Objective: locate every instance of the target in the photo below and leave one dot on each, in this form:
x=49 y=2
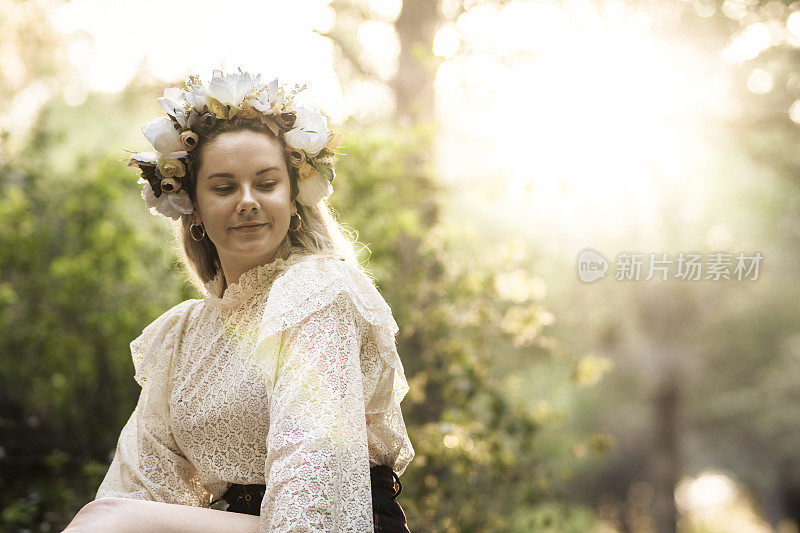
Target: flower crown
x=194 y=112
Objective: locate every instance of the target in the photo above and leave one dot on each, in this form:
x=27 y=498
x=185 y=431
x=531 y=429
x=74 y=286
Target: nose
x=247 y=202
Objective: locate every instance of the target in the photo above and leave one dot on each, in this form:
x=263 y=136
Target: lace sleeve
x=148 y=464
x=317 y=466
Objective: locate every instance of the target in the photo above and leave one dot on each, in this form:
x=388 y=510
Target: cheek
x=279 y=211
x=210 y=207
x=281 y=202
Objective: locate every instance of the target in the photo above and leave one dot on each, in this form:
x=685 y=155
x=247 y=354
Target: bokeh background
x=487 y=143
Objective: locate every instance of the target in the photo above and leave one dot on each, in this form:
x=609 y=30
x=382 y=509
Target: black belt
x=247 y=498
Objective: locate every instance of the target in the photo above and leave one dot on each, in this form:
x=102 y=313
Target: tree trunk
x=789 y=488
x=413 y=85
x=666 y=454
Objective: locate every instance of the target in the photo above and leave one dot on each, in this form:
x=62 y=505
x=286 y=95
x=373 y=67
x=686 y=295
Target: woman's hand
x=123 y=515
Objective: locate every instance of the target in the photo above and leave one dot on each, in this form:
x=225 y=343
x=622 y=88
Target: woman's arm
x=148 y=463
x=124 y=515
x=317 y=464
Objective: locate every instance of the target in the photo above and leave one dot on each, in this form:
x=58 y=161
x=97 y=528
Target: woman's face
x=243 y=180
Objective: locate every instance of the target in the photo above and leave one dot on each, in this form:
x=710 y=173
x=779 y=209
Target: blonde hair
x=319 y=233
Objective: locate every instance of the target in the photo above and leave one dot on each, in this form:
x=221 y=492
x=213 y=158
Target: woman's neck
x=281 y=253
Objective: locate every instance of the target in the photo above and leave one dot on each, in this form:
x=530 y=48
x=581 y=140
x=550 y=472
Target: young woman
x=276 y=396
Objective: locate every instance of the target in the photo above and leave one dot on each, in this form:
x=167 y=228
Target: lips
x=249 y=227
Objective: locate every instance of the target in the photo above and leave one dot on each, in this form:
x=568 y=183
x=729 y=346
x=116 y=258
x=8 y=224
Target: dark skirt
x=388 y=516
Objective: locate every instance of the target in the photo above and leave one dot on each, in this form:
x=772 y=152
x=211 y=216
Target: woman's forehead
x=244 y=140
x=242 y=149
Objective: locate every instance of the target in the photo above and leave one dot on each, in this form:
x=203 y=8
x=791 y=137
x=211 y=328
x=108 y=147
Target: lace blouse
x=290 y=379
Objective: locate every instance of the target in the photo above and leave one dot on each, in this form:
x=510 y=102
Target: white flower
x=232 y=89
x=267 y=100
x=145 y=157
x=164 y=137
x=198 y=97
x=171 y=205
x=174 y=104
x=310 y=132
x=313 y=189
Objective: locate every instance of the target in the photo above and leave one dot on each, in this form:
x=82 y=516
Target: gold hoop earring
x=299 y=222
x=192 y=232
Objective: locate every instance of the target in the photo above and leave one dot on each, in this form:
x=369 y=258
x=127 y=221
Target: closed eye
x=267 y=186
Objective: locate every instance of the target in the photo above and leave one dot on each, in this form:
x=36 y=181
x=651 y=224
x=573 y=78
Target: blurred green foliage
x=81 y=272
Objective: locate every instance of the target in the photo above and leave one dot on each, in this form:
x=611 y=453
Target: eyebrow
x=229 y=175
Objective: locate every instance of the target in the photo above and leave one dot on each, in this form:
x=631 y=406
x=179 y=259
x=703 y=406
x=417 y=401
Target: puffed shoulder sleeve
x=147 y=463
x=336 y=372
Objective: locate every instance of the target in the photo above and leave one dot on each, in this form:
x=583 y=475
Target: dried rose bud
x=171 y=168
x=170 y=185
x=296 y=157
x=189 y=139
x=285 y=120
x=207 y=121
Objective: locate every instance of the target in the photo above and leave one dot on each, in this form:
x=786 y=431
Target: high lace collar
x=250 y=282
